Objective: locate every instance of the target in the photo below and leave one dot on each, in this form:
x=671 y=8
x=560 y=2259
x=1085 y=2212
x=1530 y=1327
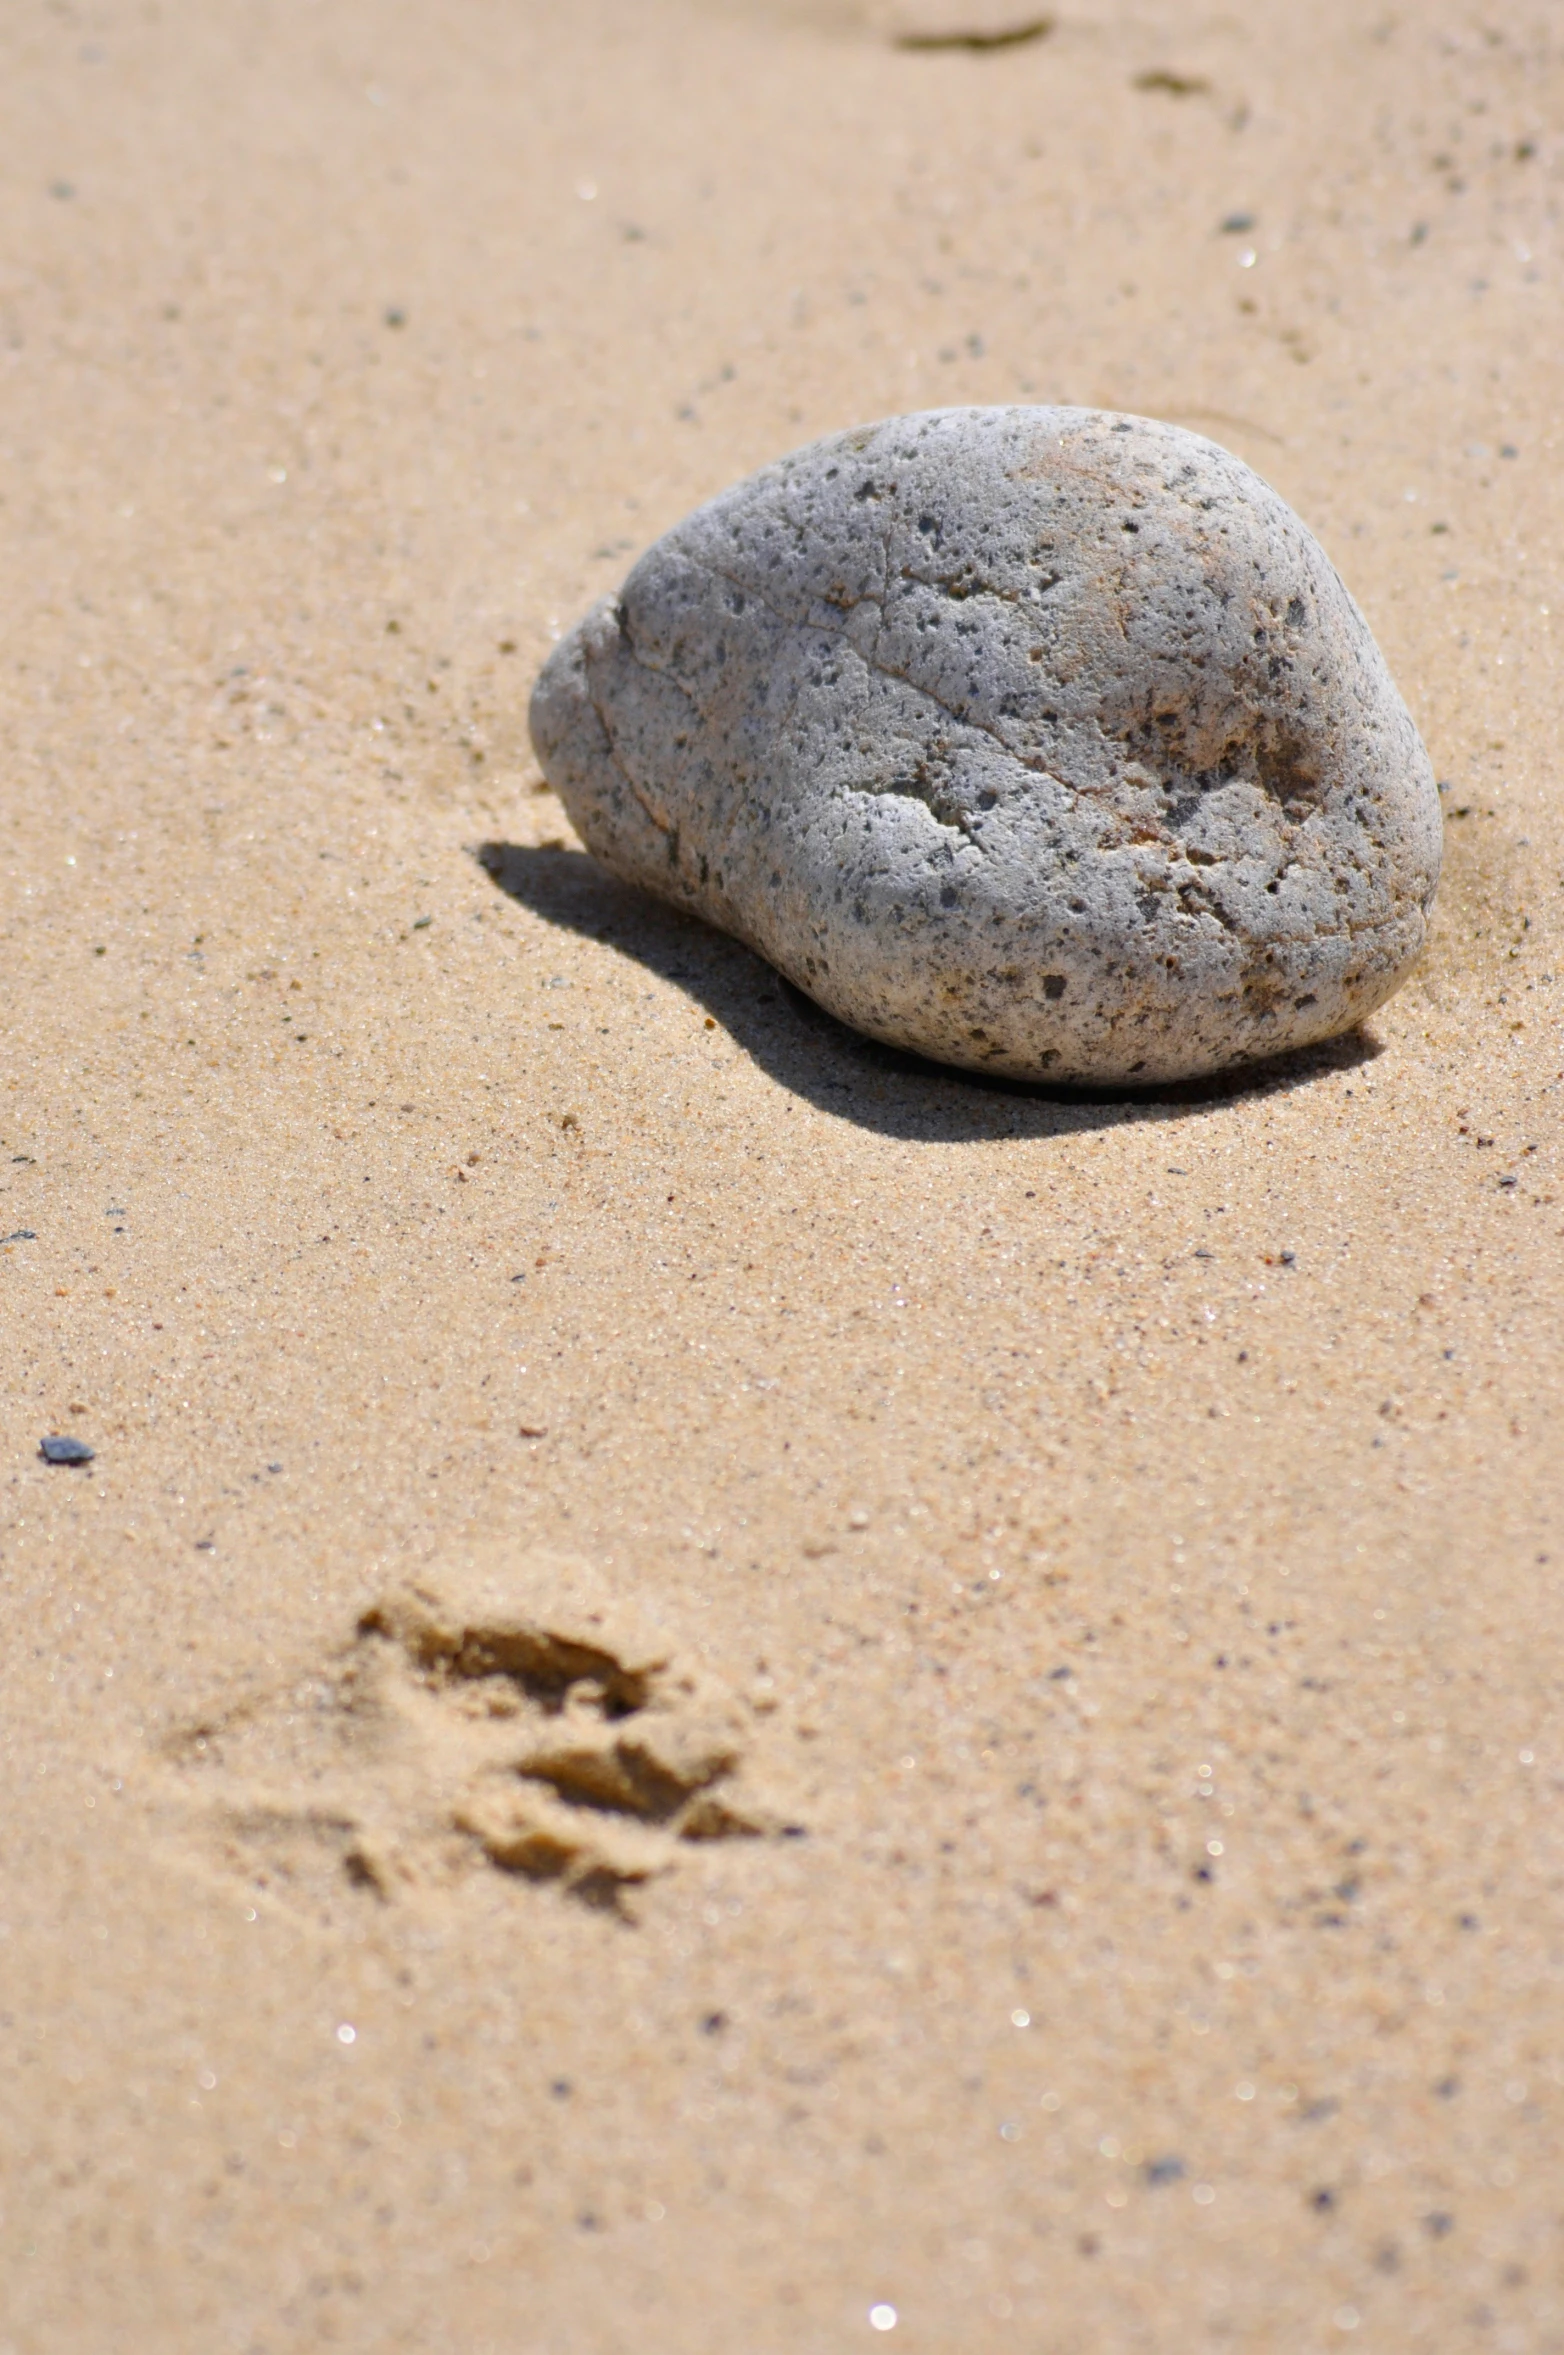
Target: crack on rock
x=654 y=816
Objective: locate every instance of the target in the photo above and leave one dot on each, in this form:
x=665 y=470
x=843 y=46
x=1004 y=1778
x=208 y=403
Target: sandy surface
x=1122 y=1537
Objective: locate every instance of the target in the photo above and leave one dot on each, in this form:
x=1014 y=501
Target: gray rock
x=1042 y=741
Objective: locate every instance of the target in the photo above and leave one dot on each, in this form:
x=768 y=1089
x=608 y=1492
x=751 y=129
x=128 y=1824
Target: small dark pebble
x=1236 y=223
x=561 y=2089
x=1508 y=1184
x=274 y=1467
x=714 y=2023
x=65 y=1451
x=1167 y=2170
x=1438 y=2224
x=396 y=318
x=1322 y=2200
x=22 y=1235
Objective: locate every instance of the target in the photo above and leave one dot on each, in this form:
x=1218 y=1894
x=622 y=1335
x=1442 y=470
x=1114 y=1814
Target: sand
x=1124 y=1533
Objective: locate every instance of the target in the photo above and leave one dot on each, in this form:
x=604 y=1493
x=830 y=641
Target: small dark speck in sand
x=1035 y=28
x=56 y=1450
x=1176 y=85
x=22 y=1235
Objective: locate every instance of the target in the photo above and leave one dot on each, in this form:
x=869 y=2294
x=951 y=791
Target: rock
x=55 y=1450
x=1042 y=741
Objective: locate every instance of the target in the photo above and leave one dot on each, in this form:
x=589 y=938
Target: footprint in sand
x=519 y=1718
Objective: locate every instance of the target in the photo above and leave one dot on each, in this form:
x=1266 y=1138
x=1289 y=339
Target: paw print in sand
x=519 y=1717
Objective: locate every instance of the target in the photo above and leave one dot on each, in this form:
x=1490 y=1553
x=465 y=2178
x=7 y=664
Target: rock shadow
x=809 y=1052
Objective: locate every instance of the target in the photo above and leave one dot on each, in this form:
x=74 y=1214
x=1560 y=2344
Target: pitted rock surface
x=1042 y=741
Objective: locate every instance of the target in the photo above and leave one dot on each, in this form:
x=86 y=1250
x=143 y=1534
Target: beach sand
x=1118 y=1541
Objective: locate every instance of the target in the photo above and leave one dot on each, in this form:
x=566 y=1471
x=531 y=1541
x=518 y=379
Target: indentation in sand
x=517 y=1717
